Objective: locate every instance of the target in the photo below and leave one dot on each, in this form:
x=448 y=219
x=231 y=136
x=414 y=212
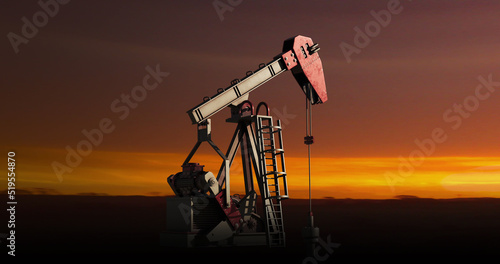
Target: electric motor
x=193 y=180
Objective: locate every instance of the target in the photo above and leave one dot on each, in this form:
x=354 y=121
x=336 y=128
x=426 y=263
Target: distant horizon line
x=23 y=192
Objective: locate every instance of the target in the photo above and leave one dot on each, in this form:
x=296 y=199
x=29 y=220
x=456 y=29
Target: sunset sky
x=414 y=112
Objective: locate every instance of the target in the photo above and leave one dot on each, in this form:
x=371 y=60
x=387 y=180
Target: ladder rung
x=274 y=208
x=277 y=173
x=278 y=150
x=270 y=127
x=271 y=132
x=278 y=197
x=281 y=197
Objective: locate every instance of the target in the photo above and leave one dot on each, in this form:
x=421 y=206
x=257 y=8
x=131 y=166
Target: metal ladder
x=273 y=177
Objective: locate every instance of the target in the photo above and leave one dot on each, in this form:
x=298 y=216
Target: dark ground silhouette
x=122 y=226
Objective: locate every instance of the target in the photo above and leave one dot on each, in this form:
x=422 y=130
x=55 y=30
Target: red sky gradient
x=400 y=88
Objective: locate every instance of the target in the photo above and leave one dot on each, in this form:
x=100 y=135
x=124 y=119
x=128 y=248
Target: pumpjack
x=203 y=211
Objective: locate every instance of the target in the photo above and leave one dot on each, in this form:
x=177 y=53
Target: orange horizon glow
x=124 y=173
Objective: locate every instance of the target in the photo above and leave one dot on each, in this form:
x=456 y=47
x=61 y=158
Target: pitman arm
x=299 y=55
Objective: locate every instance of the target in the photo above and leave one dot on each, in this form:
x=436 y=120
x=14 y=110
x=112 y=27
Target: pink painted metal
x=310 y=68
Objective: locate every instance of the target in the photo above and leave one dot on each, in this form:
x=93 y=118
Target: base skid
x=201 y=222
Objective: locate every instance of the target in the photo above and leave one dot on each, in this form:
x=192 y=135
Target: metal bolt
x=286 y=58
x=288 y=64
